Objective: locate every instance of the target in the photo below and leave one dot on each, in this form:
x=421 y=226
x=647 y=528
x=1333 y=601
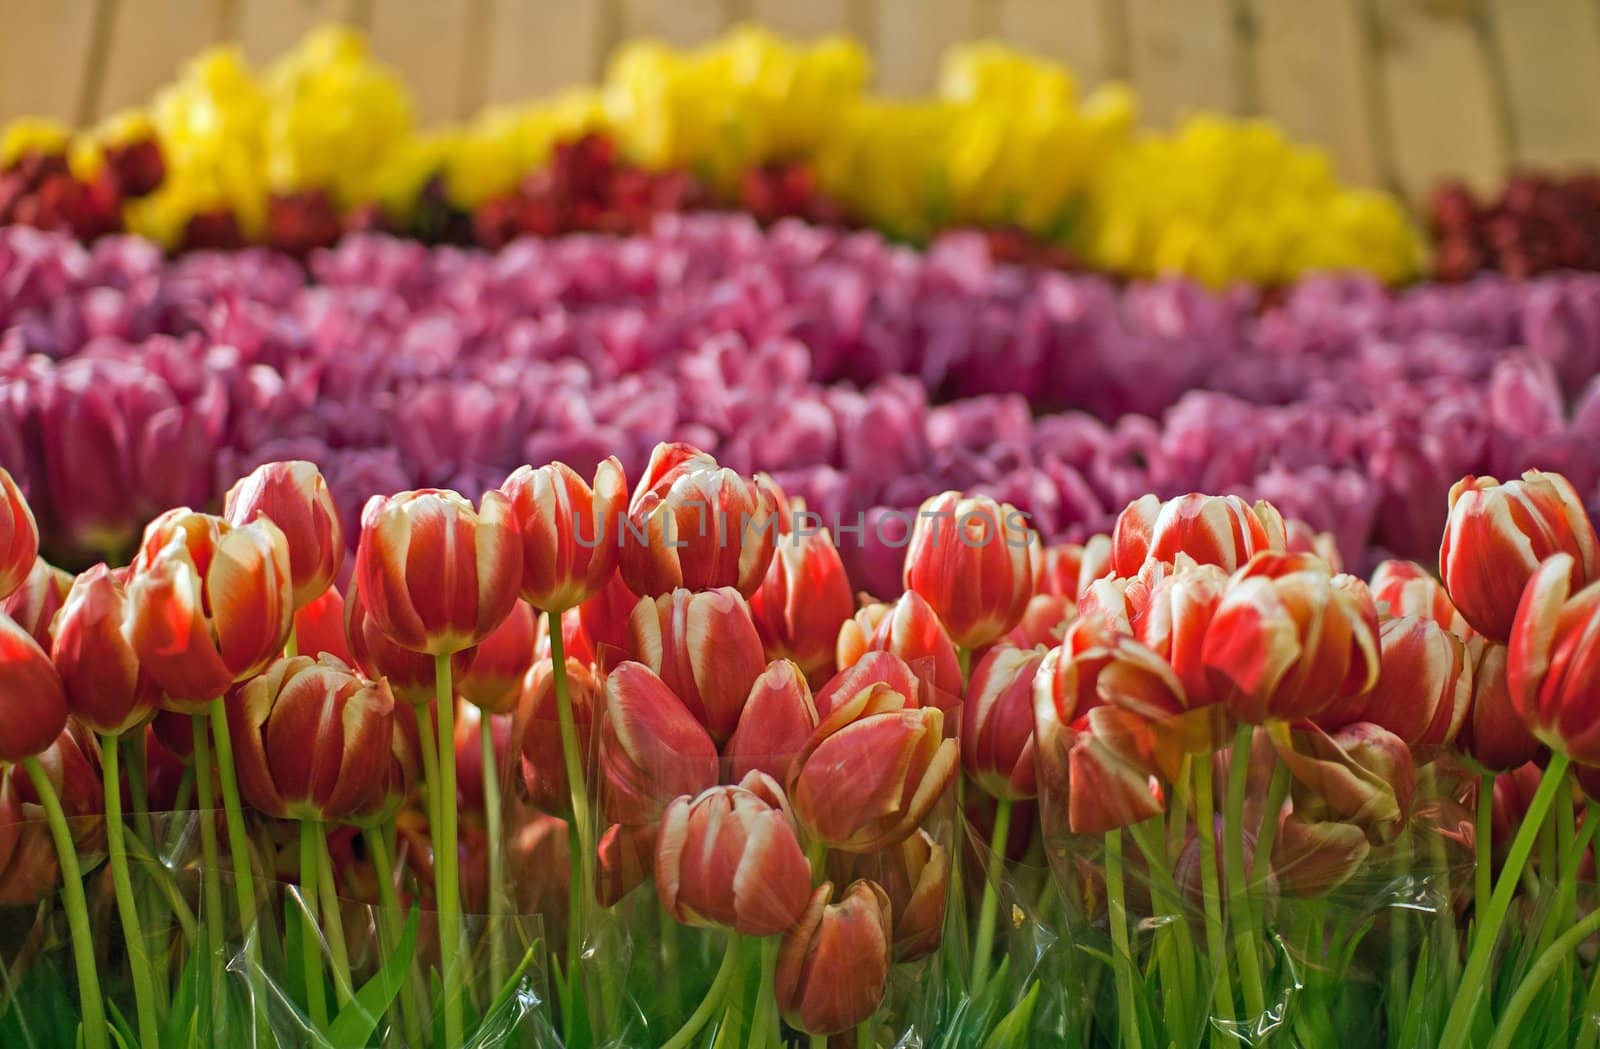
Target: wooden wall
x=1401 y=91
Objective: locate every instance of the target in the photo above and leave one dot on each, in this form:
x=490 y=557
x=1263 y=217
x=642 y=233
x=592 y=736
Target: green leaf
x=41 y=1014
x=1012 y=1031
x=353 y=1027
x=119 y=1026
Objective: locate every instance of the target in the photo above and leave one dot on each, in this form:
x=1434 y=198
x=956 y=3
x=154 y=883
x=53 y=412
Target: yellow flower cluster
x=1006 y=140
x=1225 y=200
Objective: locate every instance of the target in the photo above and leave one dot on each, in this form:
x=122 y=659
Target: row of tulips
x=325 y=140
x=129 y=384
x=1221 y=783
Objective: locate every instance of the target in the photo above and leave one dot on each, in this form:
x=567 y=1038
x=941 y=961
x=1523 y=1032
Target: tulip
x=706 y=649
x=1362 y=775
x=1290 y=638
x=1312 y=858
x=319 y=627
x=30 y=867
x=1498 y=535
x=872 y=770
x=652 y=748
x=696 y=525
x=544 y=773
x=1424 y=686
x=33 y=707
x=803 y=601
x=910 y=630
x=1553 y=661
x=626 y=855
x=1174 y=620
x=874 y=668
x=314 y=740
x=975 y=562
x=1221 y=530
x=606 y=621
x=570 y=540
x=1301 y=538
x=777 y=720
x=19 y=535
x=1405 y=588
x=729 y=857
x=471 y=795
x=833 y=965
x=436 y=576
x=105 y=685
x=493 y=678
x=915 y=875
x=208 y=604
x=34 y=604
x=409 y=674
x=1493 y=734
x=997 y=723
x=1067 y=569
x=293 y=496
x=400 y=777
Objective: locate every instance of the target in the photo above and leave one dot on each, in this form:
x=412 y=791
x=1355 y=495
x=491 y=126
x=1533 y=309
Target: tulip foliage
x=632 y=766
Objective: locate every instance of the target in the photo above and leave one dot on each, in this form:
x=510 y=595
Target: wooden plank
x=268 y=28
x=1551 y=52
x=44 y=57
x=536 y=48
x=149 y=42
x=1186 y=55
x=681 y=22
x=1089 y=36
x=429 y=45
x=1313 y=80
x=910 y=35
x=812 y=19
x=1444 y=115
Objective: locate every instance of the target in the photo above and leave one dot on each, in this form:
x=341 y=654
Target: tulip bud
x=1312 y=858
x=1497 y=536
x=34 y=604
x=293 y=496
x=975 y=562
x=437 y=576
x=1067 y=569
x=312 y=739
x=802 y=602
x=409 y=674
x=1221 y=530
x=1289 y=638
x=19 y=535
x=652 y=749
x=399 y=778
x=493 y=679
x=208 y=604
x=1423 y=690
x=1493 y=734
x=833 y=965
x=915 y=875
x=910 y=630
x=544 y=769
x=1552 y=672
x=570 y=540
x=105 y=686
x=33 y=708
x=872 y=770
x=319 y=627
x=777 y=720
x=1362 y=775
x=874 y=668
x=729 y=857
x=626 y=858
x=606 y=621
x=997 y=723
x=706 y=649
x=1301 y=538
x=1409 y=590
x=469 y=754
x=1174 y=620
x=1043 y=624
x=702 y=526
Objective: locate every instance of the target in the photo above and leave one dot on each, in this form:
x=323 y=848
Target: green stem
x=1211 y=893
x=445 y=860
x=1591 y=1001
x=1570 y=847
x=1121 y=952
x=818 y=1041
x=1241 y=909
x=1560 y=952
x=389 y=912
x=578 y=790
x=983 y=947
x=211 y=876
x=186 y=793
x=670 y=976
x=1267 y=833
x=91 y=1004
x=492 y=818
x=1174 y=951
x=713 y=999
x=866 y=1032
x=332 y=920
x=244 y=884
x=127 y=906
x=1474 y=989
x=429 y=745
x=138 y=786
x=310 y=948
x=1483 y=849
x=764 y=1028
x=1400 y=937
x=1449 y=950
